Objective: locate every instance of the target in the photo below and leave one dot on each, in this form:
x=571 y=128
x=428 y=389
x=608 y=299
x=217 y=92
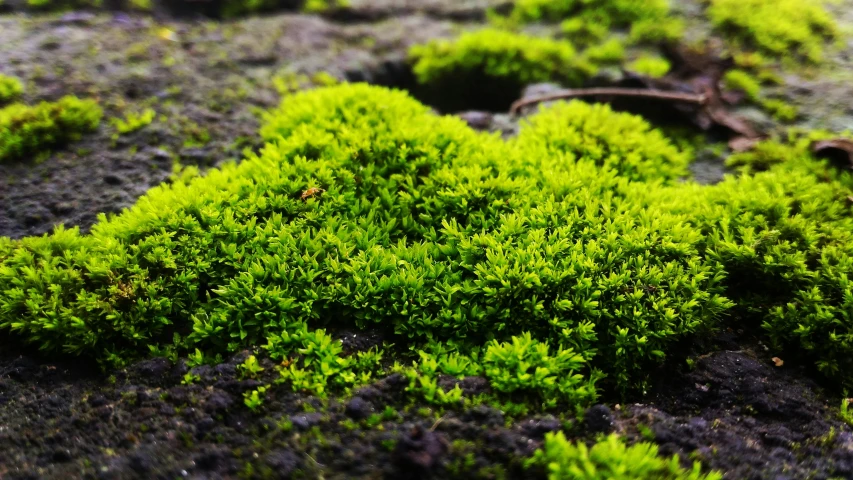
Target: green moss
x=655 y=67
x=32 y=130
x=611 y=459
x=391 y=218
x=743 y=81
x=563 y=262
x=648 y=20
x=53 y=5
x=780 y=109
x=783 y=236
x=609 y=52
x=751 y=86
x=493 y=66
x=781 y=28
x=622 y=142
x=133 y=121
x=319 y=6
x=10 y=89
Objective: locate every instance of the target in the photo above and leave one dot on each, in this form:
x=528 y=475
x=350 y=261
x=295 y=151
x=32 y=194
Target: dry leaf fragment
x=743 y=144
x=837 y=150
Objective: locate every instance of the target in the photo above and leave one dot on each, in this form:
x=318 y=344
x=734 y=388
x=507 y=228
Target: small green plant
x=255 y=398
x=845 y=412
x=250 y=368
x=610 y=459
x=190 y=378
x=10 y=89
x=133 y=121
x=32 y=130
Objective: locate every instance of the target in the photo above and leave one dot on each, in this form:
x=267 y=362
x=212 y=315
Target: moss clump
x=743 y=81
x=784 y=238
x=491 y=66
x=133 y=121
x=654 y=67
x=556 y=264
x=369 y=210
x=53 y=5
x=31 y=130
x=319 y=6
x=610 y=459
x=781 y=28
x=10 y=89
x=621 y=142
x=647 y=20
x=751 y=87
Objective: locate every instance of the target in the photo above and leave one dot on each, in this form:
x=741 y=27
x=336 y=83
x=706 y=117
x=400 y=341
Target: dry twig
x=611 y=92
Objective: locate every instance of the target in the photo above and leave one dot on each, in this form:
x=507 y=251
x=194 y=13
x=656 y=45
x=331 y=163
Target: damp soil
x=734 y=408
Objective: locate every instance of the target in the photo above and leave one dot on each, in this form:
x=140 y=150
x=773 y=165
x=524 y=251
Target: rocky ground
x=734 y=410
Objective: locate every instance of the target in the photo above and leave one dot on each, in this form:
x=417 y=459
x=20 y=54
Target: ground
x=734 y=409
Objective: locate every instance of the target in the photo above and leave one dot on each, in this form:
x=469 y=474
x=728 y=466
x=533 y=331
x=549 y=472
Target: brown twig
x=611 y=92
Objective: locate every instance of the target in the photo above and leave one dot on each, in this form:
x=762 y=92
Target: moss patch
x=32 y=130
x=647 y=20
x=10 y=89
x=491 y=66
x=557 y=265
x=796 y=29
x=611 y=459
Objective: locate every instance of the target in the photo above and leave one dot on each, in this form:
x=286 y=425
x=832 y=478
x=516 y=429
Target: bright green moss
x=611 y=459
x=133 y=121
x=784 y=238
x=493 y=66
x=10 y=89
x=743 y=81
x=319 y=6
x=369 y=210
x=655 y=67
x=32 y=130
x=609 y=52
x=622 y=142
x=647 y=19
x=565 y=261
x=781 y=28
x=751 y=86
x=780 y=109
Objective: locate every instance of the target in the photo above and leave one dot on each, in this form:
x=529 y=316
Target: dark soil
x=734 y=410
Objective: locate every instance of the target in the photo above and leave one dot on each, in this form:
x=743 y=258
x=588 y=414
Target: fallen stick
x=610 y=92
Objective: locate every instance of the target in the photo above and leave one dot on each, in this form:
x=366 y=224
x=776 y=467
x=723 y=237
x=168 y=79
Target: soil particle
x=358 y=408
x=421 y=450
x=599 y=419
